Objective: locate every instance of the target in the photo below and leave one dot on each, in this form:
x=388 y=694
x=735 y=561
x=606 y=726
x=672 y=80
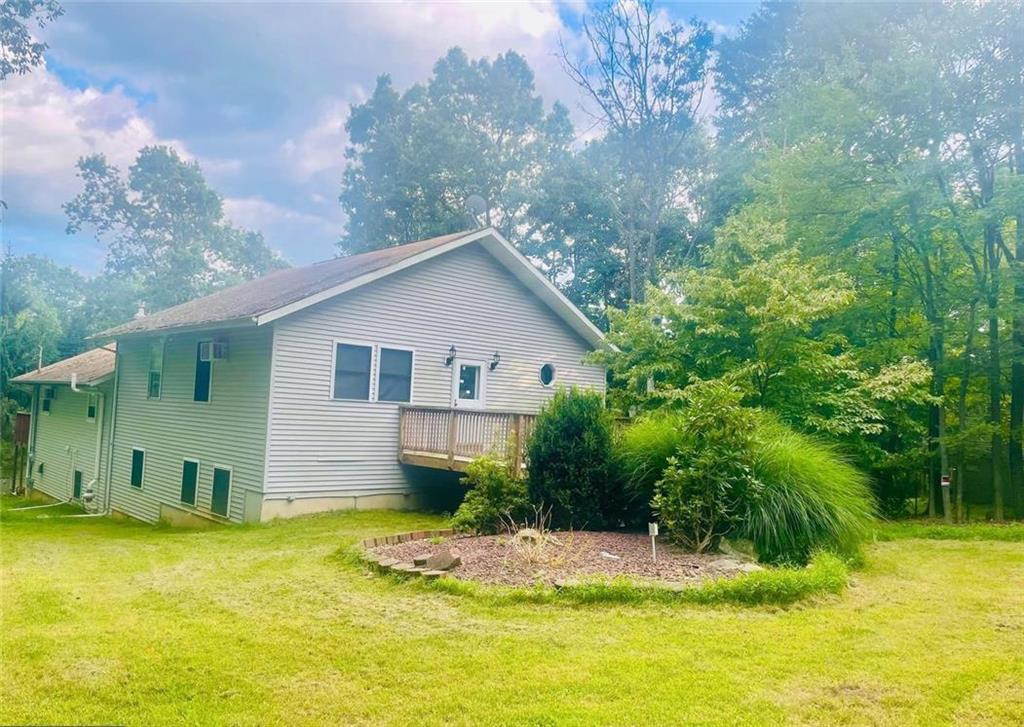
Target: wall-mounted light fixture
x=451 y=355
x=495 y=360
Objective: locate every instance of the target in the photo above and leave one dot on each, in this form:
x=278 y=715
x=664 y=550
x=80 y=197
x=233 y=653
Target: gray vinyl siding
x=65 y=440
x=320 y=447
x=227 y=431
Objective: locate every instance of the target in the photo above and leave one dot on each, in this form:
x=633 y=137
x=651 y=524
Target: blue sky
x=257 y=93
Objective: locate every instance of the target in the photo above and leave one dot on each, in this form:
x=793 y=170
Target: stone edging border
x=395 y=567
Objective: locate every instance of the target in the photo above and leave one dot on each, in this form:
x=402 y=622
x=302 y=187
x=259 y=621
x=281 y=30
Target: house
x=336 y=385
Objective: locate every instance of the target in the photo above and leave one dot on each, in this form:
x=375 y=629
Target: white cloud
x=319 y=151
x=300 y=237
x=47 y=127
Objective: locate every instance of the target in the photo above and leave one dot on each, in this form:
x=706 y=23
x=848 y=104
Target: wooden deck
x=452 y=438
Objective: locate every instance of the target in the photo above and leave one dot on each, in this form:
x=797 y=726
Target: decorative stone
x=403 y=568
x=387 y=562
x=421 y=559
x=442 y=560
x=432 y=574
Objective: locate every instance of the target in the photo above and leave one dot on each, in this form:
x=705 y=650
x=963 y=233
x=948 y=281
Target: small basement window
x=352 y=364
x=394 y=377
x=547 y=374
x=156 y=369
x=138 y=467
x=204 y=373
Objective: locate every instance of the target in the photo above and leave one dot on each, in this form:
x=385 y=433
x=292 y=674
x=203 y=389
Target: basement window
x=138 y=467
x=352 y=364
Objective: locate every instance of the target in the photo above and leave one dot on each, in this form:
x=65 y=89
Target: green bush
x=798 y=493
x=708 y=483
x=569 y=456
x=495 y=496
x=811 y=497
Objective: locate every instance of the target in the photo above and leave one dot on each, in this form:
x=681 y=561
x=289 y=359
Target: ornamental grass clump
x=811 y=498
x=725 y=470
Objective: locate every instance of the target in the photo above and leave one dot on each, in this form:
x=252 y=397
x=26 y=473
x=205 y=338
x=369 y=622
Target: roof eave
x=113 y=333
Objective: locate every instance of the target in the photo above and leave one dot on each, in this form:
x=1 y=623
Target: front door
x=469 y=384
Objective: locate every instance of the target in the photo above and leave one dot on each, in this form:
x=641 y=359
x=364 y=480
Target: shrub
x=569 y=456
x=494 y=498
x=705 y=488
x=811 y=498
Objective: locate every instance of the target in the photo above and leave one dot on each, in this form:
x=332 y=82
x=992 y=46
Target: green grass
x=937 y=530
x=106 y=622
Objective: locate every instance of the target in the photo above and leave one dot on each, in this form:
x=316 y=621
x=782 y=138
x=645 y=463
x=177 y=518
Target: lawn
x=107 y=622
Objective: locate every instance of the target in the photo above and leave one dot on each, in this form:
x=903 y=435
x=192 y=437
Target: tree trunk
x=961 y=408
x=937 y=461
x=995 y=411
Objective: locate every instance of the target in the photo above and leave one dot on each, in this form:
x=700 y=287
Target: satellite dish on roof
x=476 y=207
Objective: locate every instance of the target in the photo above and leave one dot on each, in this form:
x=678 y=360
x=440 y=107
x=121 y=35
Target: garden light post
x=652 y=530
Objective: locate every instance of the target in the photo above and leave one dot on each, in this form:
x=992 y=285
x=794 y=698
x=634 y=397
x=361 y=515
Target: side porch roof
x=89 y=369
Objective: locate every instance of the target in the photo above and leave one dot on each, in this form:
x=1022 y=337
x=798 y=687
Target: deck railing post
x=451 y=438
x=517 y=444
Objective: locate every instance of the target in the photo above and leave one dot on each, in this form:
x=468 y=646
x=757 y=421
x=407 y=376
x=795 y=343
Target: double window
x=354 y=367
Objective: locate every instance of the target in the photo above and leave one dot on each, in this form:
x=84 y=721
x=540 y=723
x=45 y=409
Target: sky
x=257 y=93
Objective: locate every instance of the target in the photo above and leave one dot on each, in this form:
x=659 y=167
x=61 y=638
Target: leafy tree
x=646 y=80
x=19 y=51
x=165 y=228
x=476 y=127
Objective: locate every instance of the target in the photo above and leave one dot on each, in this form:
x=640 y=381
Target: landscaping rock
x=420 y=559
x=442 y=560
x=432 y=574
x=387 y=562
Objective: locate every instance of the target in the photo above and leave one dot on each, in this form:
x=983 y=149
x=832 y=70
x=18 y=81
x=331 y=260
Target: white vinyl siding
x=322 y=447
x=66 y=440
x=229 y=430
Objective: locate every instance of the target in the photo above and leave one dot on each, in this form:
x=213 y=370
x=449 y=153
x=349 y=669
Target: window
x=204 y=373
x=189 y=481
x=352 y=365
x=547 y=374
x=156 y=369
x=91 y=406
x=138 y=467
x=47 y=405
x=469 y=381
x=394 y=377
x=49 y=394
x=221 y=497
x=76 y=485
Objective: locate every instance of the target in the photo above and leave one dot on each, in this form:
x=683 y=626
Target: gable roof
x=90 y=368
x=281 y=293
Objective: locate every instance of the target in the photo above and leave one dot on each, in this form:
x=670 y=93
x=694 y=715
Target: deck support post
x=451 y=439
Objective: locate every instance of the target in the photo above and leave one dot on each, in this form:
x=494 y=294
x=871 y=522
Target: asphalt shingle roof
x=92 y=367
x=273 y=291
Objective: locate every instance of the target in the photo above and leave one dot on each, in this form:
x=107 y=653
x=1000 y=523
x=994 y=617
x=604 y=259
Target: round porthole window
x=547 y=374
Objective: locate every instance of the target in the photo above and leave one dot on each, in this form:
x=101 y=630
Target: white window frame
x=213 y=479
x=92 y=399
x=481 y=401
x=162 y=342
x=371 y=394
x=412 y=373
x=199 y=473
x=554 y=374
x=195 y=363
x=142 y=476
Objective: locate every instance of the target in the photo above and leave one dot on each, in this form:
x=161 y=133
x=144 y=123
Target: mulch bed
x=569 y=557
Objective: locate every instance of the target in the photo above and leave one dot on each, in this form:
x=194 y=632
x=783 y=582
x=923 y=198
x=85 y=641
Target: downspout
x=113 y=431
x=34 y=427
x=100 y=402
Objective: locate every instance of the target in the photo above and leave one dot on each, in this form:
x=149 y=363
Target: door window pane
x=189 y=481
x=395 y=383
x=469 y=382
x=221 y=491
x=352 y=372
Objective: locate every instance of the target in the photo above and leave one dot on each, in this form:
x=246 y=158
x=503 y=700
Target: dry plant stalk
x=533 y=542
